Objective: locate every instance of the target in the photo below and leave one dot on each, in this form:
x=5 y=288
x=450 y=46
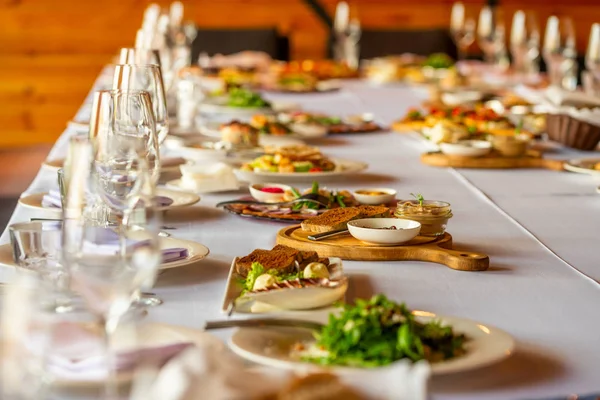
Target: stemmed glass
x=525 y=42
x=133 y=56
x=461 y=29
x=108 y=267
x=591 y=79
x=491 y=37
x=560 y=53
x=147 y=78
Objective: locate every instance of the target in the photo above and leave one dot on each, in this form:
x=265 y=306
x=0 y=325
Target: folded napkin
x=52 y=199
x=106 y=242
x=208 y=178
x=77 y=353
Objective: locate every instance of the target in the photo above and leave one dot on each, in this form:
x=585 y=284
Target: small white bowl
x=373 y=200
x=369 y=230
x=266 y=196
x=467 y=148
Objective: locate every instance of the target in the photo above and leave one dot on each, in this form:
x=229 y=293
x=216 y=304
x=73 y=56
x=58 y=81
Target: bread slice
x=331 y=220
x=281 y=260
x=303 y=257
x=374 y=211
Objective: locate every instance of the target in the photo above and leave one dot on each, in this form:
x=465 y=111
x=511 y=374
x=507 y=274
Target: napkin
x=77 y=353
x=208 y=178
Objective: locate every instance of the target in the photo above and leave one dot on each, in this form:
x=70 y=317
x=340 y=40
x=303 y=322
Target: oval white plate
x=343 y=167
x=582 y=166
x=58 y=163
x=180 y=199
x=271 y=347
x=196 y=252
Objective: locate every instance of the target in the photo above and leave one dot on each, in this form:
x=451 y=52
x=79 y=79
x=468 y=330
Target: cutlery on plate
x=263 y=322
x=311 y=197
x=326 y=235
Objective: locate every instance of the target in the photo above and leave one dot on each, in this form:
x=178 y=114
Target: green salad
x=377 y=332
x=439 y=60
x=257 y=270
x=245 y=98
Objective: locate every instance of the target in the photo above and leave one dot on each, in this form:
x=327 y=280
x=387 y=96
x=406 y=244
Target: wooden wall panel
x=52 y=50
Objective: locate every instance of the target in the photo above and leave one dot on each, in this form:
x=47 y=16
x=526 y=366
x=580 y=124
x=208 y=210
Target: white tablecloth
x=541 y=229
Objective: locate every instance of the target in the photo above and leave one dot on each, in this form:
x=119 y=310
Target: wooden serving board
x=492 y=161
x=422 y=248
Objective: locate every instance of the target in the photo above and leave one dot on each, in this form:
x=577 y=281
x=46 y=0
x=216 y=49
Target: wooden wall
x=51 y=50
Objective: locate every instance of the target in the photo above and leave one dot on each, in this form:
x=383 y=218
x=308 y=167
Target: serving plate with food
x=388 y=332
x=283 y=279
x=331 y=234
x=297 y=82
x=306 y=122
x=239 y=102
x=296 y=163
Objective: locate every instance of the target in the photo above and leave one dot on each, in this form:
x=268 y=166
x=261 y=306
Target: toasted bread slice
x=281 y=260
x=303 y=257
x=331 y=220
x=374 y=211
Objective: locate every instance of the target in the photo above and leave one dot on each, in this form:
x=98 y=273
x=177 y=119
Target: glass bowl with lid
x=432 y=214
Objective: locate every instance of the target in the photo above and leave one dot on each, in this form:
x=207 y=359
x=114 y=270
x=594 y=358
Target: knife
x=325 y=235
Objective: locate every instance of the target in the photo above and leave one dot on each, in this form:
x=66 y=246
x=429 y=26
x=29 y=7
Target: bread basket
x=573 y=132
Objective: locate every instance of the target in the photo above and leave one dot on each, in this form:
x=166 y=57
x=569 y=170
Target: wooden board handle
x=554 y=165
x=455 y=259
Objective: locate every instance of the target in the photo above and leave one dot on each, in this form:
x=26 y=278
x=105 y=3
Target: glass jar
x=433 y=215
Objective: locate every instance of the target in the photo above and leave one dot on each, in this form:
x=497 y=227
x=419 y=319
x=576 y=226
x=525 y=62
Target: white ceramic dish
x=196 y=252
x=258 y=194
x=371 y=230
x=305 y=298
x=389 y=196
x=583 y=166
x=343 y=168
x=58 y=163
x=271 y=346
x=180 y=199
x=467 y=148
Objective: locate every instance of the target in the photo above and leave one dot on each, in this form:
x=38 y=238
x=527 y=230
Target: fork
x=263 y=322
x=311 y=197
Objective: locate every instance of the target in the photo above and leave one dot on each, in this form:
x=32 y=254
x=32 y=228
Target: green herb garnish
x=256 y=270
x=378 y=332
x=244 y=98
x=419 y=198
x=315 y=187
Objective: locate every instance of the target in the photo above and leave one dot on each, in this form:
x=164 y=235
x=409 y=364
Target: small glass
x=433 y=215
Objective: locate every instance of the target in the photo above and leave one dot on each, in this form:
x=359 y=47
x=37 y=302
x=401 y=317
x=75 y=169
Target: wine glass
x=134 y=56
x=461 y=29
x=147 y=78
x=525 y=42
x=592 y=61
x=560 y=53
x=108 y=267
x=491 y=37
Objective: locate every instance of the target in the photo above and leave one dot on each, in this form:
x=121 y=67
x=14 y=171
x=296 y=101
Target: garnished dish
x=295 y=210
x=291 y=159
x=269 y=125
x=319 y=69
x=377 y=332
x=239 y=134
x=433 y=215
x=284 y=278
x=354 y=124
x=244 y=98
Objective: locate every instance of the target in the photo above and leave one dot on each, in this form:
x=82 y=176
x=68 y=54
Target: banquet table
x=540 y=228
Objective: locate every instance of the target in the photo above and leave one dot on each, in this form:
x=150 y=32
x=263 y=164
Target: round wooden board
x=422 y=248
x=491 y=161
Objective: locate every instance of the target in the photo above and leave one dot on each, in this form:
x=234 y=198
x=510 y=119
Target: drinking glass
x=461 y=29
x=525 y=42
x=147 y=78
x=560 y=53
x=133 y=56
x=592 y=55
x=491 y=37
x=108 y=267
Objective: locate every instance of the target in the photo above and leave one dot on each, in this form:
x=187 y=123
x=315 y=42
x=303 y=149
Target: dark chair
x=228 y=41
x=7 y=206
x=378 y=43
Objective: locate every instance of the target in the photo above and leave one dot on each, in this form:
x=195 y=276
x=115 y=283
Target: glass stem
x=111 y=390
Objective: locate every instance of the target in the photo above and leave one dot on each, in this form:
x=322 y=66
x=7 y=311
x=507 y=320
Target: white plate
x=58 y=163
x=271 y=347
x=343 y=167
x=285 y=299
x=582 y=166
x=180 y=199
x=196 y=252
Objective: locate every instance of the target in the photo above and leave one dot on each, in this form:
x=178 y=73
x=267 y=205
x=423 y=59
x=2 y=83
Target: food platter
x=493 y=161
x=272 y=347
x=422 y=248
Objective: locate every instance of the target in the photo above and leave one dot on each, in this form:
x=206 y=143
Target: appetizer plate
x=171 y=164
x=272 y=346
x=196 y=252
x=244 y=212
x=343 y=167
x=286 y=299
x=324 y=86
x=179 y=197
x=211 y=129
x=583 y=166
